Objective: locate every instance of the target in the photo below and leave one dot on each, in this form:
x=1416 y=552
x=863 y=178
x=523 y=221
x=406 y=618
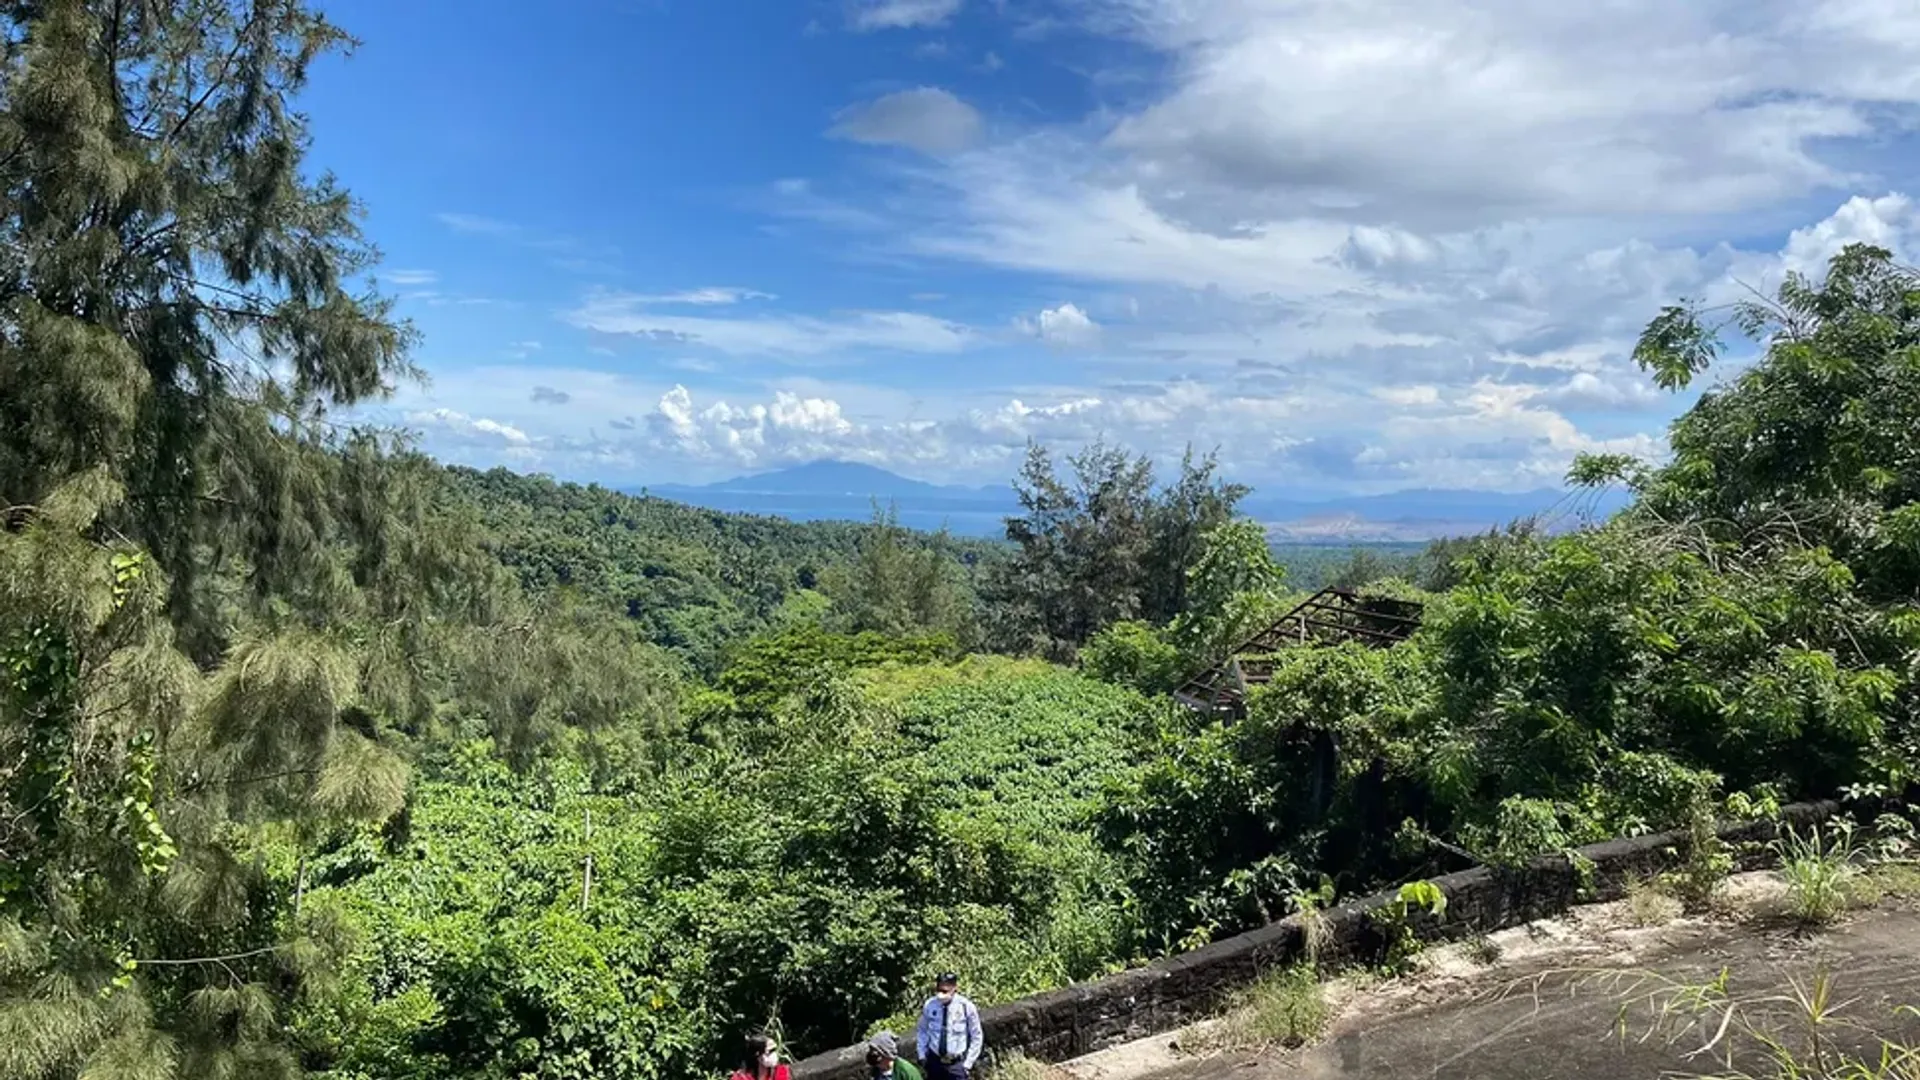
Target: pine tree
x=193 y=556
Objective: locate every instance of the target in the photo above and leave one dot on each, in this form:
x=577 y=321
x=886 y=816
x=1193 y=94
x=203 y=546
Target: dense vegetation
x=319 y=758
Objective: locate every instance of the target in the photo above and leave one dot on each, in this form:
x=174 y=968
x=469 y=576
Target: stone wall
x=1173 y=992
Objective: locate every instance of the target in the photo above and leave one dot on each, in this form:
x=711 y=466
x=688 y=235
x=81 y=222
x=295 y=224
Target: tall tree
x=1083 y=542
x=1101 y=544
x=899 y=586
x=1820 y=444
x=176 y=293
x=1194 y=504
x=181 y=307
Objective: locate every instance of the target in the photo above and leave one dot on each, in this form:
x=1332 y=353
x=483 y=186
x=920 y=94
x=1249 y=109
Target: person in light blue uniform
x=949 y=1036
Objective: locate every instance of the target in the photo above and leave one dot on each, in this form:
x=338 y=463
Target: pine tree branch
x=220 y=80
x=221 y=960
x=236 y=781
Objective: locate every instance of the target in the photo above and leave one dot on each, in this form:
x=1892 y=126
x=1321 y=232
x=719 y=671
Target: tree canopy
x=320 y=758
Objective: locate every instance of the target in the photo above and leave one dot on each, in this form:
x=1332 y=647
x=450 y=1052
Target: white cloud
x=1464 y=114
x=1408 y=396
x=790 y=428
x=1065 y=326
x=412 y=277
x=459 y=423
x=703 y=297
x=1364 y=243
x=900 y=14
x=474 y=223
x=1508 y=356
x=791 y=335
x=926 y=118
x=1585 y=391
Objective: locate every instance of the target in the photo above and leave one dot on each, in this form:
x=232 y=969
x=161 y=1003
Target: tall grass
x=1804 y=1032
x=1286 y=1008
x=1823 y=872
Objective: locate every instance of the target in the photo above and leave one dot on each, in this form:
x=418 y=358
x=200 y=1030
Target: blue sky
x=1357 y=245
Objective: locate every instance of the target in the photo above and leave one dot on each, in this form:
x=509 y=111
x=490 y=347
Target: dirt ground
x=1549 y=1005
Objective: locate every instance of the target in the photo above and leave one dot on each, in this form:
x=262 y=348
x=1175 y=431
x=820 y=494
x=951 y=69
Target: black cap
x=947 y=978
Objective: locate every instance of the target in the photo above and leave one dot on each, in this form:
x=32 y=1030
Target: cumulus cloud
x=1366 y=243
x=1511 y=357
x=1065 y=326
x=1587 y=392
x=793 y=335
x=867 y=15
x=1489 y=435
x=470 y=427
x=925 y=118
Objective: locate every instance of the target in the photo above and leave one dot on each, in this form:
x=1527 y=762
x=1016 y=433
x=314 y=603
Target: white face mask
x=769 y=1059
x=945 y=996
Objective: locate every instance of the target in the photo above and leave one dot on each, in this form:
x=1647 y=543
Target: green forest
x=319 y=758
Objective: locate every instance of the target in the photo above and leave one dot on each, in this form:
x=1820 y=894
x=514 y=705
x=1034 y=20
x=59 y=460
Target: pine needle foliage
x=225 y=619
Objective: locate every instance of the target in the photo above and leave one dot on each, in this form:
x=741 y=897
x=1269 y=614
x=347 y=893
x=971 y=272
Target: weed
x=1801 y=1033
x=1312 y=909
x=1286 y=1008
x=1822 y=872
x=1394 y=919
x=1483 y=950
x=1648 y=903
x=1583 y=874
x=1901 y=879
x=1016 y=1065
x=1706 y=861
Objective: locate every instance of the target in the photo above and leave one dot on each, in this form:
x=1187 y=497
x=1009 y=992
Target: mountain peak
x=828 y=477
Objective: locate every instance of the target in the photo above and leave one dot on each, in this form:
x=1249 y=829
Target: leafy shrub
x=1395 y=921
x=1134 y=654
x=1705 y=863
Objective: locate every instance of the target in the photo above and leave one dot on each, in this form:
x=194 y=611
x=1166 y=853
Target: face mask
x=945 y=996
x=769 y=1059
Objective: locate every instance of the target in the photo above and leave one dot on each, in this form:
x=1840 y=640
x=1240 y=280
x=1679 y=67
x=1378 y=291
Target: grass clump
x=1018 y=1066
x=1483 y=950
x=1823 y=873
x=1286 y=1008
x=1649 y=904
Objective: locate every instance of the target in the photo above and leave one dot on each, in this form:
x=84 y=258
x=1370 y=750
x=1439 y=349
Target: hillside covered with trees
x=318 y=758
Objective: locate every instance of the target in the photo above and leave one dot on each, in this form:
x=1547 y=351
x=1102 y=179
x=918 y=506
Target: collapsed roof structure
x=1328 y=617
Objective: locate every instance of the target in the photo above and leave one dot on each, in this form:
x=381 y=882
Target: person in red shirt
x=761 y=1061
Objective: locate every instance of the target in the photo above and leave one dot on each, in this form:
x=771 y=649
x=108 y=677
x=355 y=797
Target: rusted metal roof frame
x=1223 y=687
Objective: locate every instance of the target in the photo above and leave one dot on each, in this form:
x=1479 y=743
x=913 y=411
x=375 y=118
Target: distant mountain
x=835 y=478
x=840 y=490
x=847 y=491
